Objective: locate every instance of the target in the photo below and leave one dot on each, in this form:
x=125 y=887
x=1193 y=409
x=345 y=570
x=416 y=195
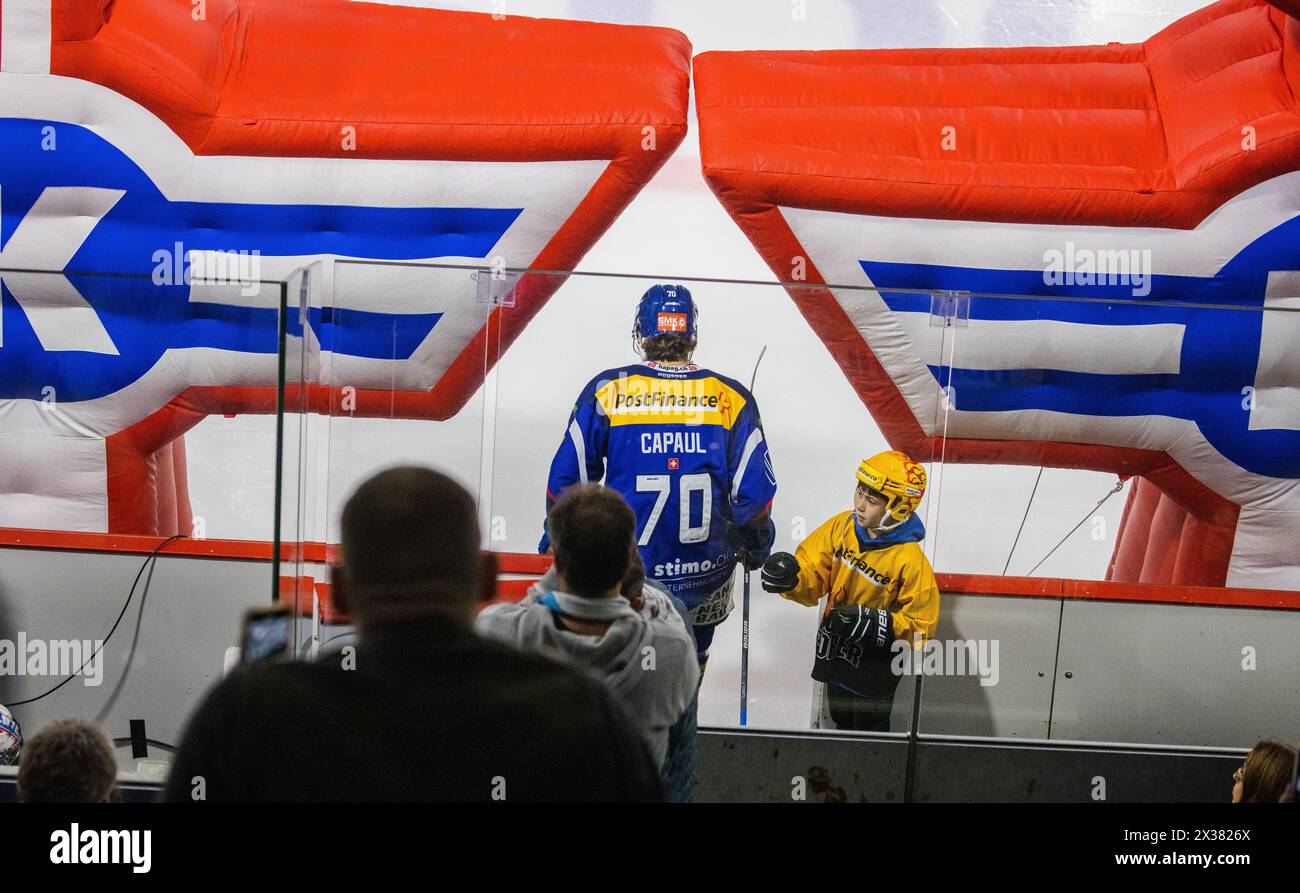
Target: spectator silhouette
x=1265 y=775
x=68 y=761
x=593 y=609
x=422 y=709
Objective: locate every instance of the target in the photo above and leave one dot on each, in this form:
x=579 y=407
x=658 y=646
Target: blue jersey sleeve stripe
x=580 y=448
x=751 y=444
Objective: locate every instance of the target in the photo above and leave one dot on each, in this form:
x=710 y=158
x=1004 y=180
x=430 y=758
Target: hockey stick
x=744 y=652
x=744 y=608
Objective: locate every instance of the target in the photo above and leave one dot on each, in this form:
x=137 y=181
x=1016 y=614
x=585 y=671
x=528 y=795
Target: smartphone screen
x=266 y=635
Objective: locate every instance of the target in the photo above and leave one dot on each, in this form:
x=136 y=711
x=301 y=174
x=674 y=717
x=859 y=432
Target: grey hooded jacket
x=648 y=657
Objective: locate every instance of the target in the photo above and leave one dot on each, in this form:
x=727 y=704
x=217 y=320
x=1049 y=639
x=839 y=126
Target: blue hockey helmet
x=664 y=309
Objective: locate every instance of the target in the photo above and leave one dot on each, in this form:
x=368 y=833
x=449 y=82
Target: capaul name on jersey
x=672 y=442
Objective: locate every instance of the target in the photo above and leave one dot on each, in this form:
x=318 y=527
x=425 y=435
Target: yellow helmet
x=901 y=480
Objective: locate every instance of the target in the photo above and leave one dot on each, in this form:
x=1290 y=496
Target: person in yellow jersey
x=878 y=585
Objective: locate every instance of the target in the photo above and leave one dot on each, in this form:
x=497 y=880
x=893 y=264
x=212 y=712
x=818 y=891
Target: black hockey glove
x=851 y=627
x=780 y=572
x=752 y=542
x=855 y=650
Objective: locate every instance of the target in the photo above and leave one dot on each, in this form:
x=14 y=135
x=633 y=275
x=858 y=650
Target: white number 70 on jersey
x=686 y=485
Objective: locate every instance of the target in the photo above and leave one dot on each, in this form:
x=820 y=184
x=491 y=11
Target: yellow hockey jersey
x=891 y=572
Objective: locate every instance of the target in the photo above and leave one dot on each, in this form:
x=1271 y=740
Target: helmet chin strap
x=888 y=522
x=887 y=526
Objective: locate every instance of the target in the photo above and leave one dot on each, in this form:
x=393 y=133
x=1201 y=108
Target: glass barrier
x=303 y=312
x=1097 y=505
x=1114 y=441
x=751 y=335
x=379 y=386
x=1096 y=582
x=384 y=373
x=138 y=445
x=129 y=399
x=1033 y=509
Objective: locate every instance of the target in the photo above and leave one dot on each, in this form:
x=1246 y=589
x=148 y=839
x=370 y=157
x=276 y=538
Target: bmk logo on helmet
x=673 y=322
x=103 y=847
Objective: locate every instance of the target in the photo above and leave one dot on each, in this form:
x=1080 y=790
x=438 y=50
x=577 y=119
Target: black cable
x=1023 y=518
x=152 y=562
x=1119 y=485
x=346 y=632
x=130 y=595
x=126 y=742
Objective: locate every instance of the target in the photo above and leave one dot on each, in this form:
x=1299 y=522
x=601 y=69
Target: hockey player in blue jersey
x=685 y=447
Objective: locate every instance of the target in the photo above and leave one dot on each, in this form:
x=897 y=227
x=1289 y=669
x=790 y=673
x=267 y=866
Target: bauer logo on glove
x=847 y=632
x=854 y=650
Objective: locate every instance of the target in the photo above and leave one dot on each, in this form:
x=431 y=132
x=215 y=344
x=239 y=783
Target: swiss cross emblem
x=672 y=464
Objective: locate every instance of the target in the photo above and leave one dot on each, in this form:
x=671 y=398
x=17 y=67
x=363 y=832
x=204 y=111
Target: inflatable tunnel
x=873 y=181
x=149 y=136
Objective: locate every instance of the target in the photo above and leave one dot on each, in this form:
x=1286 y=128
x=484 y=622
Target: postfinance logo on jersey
x=642 y=400
x=858 y=562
